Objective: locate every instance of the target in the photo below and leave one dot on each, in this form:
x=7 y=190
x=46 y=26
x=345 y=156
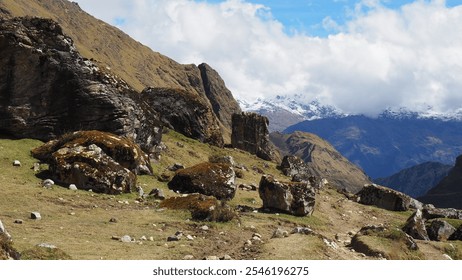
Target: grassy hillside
x=78 y=222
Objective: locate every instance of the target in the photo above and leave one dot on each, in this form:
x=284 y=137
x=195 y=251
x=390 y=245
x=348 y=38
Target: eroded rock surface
x=296 y=198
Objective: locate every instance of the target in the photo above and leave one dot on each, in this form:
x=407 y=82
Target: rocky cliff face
x=322 y=160
x=250 y=133
x=448 y=192
x=184 y=112
x=47 y=88
x=139 y=66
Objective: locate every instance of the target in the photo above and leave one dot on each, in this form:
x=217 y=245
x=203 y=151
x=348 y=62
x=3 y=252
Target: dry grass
x=78 y=222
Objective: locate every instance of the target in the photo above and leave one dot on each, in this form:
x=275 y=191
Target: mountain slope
x=416 y=180
x=448 y=192
x=322 y=158
x=388 y=144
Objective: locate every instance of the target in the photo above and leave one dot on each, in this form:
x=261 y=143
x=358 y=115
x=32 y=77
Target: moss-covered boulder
x=215 y=179
x=100 y=161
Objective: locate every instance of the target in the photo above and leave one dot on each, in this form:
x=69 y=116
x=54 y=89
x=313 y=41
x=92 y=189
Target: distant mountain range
x=381 y=146
x=417 y=180
x=284 y=111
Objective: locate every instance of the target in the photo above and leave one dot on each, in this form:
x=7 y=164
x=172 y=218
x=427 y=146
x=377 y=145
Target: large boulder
x=250 y=133
x=415 y=226
x=440 y=230
x=185 y=112
x=386 y=198
x=47 y=88
x=213 y=179
x=296 y=198
x=99 y=161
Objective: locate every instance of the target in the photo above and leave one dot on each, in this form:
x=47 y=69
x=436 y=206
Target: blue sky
x=361 y=56
x=306 y=16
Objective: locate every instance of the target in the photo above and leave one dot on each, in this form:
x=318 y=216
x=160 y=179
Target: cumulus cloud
x=407 y=57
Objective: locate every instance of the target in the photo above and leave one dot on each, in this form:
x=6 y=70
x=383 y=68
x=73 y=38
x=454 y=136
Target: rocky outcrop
x=185 y=112
x=250 y=133
x=47 y=88
x=99 y=161
x=415 y=226
x=214 y=179
x=135 y=63
x=322 y=160
x=223 y=103
x=448 y=192
x=431 y=212
x=440 y=230
x=386 y=198
x=290 y=197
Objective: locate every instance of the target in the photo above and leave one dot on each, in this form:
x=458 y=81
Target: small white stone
x=72 y=187
x=47 y=183
x=126 y=239
x=35 y=216
x=16 y=163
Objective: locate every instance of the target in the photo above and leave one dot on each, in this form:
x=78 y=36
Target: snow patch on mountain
x=313 y=109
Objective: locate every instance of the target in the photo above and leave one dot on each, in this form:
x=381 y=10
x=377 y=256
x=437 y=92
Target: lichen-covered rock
x=415 y=226
x=386 y=198
x=95 y=160
x=215 y=179
x=440 y=230
x=296 y=168
x=293 y=165
x=47 y=88
x=290 y=197
x=186 y=113
x=122 y=150
x=250 y=133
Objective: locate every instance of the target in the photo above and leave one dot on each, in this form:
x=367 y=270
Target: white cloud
x=409 y=57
